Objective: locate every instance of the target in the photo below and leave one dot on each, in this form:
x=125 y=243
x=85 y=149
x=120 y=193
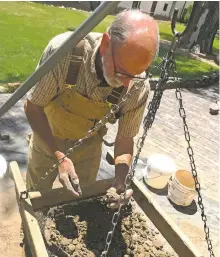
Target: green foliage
x=188 y=13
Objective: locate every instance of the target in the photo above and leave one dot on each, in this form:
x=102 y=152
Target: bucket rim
x=149 y=166
x=180 y=184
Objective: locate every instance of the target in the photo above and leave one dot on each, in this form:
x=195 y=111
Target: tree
x=202 y=26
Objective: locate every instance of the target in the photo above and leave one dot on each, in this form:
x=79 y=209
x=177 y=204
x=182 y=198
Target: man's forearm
x=123 y=158
x=39 y=124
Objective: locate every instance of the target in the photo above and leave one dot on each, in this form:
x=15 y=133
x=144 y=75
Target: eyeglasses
x=123 y=75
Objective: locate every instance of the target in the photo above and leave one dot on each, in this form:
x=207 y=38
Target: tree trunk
x=202 y=26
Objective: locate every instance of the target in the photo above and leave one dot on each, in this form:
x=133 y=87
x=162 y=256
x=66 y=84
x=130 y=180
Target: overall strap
x=75 y=63
x=73 y=71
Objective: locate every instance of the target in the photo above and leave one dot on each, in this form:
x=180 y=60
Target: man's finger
x=64 y=179
x=113 y=198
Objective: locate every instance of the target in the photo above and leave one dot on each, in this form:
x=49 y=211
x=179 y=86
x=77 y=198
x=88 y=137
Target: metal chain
x=153 y=106
x=190 y=152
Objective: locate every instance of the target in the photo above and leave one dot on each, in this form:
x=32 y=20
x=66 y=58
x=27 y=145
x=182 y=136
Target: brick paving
x=165 y=136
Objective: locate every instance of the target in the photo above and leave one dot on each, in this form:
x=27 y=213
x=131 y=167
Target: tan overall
x=70 y=116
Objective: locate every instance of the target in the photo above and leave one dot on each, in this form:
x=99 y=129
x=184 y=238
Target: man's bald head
x=133 y=26
x=132 y=41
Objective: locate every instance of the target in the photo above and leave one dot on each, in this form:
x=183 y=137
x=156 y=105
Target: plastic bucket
x=181 y=189
x=159 y=170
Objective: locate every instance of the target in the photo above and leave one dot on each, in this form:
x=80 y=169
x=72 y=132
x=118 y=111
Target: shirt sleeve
x=130 y=121
x=47 y=88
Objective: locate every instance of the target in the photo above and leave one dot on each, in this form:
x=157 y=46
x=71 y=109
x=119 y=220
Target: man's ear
x=104 y=46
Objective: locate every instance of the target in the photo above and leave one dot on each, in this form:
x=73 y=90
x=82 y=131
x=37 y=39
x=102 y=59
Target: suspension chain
x=148 y=121
x=190 y=152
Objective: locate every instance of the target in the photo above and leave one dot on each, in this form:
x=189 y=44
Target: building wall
x=159 y=9
x=145 y=6
x=125 y=4
x=159 y=12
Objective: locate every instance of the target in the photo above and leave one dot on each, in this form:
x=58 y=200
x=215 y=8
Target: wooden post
x=171 y=232
x=30 y=224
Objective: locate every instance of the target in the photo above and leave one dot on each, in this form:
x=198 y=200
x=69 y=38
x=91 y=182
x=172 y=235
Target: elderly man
x=79 y=91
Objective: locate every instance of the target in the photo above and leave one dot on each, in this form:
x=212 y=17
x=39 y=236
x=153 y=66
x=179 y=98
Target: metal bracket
x=24 y=195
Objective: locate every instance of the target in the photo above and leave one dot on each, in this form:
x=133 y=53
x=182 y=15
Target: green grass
x=165 y=29
x=186 y=68
x=26 y=29
x=215 y=46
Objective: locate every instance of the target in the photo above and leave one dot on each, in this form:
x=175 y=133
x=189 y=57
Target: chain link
x=190 y=152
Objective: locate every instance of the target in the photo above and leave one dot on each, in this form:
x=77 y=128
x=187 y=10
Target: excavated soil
x=80 y=230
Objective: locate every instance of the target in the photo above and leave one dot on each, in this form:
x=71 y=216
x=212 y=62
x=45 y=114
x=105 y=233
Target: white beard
x=112 y=81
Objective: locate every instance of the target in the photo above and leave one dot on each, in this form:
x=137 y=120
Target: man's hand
x=123 y=156
x=67 y=175
x=113 y=197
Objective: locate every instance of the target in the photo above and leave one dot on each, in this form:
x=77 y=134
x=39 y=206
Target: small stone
x=134 y=237
x=71 y=247
x=142 y=218
x=137 y=225
x=214 y=109
x=157 y=243
x=128 y=251
x=65 y=241
x=80 y=238
x=53 y=236
x=144 y=227
x=74 y=242
x=76 y=218
x=78 y=247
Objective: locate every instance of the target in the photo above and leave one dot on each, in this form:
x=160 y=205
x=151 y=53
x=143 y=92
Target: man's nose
x=126 y=81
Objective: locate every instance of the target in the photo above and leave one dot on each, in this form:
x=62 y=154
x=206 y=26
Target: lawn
x=27 y=27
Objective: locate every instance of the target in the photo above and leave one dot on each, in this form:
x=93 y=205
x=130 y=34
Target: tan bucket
x=181 y=189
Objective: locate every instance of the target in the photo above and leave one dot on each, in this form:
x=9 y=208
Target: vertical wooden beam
x=30 y=224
